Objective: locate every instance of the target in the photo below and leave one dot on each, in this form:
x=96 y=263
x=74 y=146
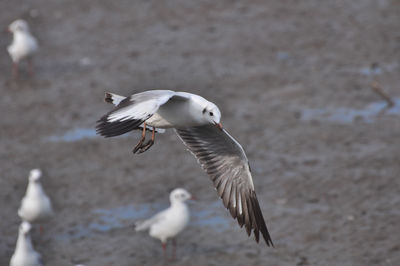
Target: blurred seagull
x=35 y=206
x=24 y=254
x=197 y=123
x=22 y=46
x=170 y=222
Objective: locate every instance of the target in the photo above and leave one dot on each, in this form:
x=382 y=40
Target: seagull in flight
x=197 y=123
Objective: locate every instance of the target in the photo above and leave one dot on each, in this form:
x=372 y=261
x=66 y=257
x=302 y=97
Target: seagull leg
x=15 y=70
x=173 y=249
x=30 y=66
x=164 y=247
x=149 y=143
x=140 y=143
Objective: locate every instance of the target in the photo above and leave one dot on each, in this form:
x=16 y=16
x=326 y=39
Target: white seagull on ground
x=170 y=222
x=24 y=254
x=24 y=45
x=197 y=123
x=36 y=205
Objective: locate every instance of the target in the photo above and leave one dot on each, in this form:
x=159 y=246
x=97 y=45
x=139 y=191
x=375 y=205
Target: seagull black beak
x=219 y=125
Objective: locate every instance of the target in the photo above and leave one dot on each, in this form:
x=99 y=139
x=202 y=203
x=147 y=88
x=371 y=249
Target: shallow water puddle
x=377 y=69
x=74 y=135
x=213 y=215
x=348 y=115
x=106 y=220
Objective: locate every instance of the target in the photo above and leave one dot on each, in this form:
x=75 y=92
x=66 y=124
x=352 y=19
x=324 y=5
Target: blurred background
x=293 y=80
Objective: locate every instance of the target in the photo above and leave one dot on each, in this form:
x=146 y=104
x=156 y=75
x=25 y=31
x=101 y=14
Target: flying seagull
x=170 y=222
x=197 y=123
x=24 y=45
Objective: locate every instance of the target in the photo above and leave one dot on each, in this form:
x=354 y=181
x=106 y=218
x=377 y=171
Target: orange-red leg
x=30 y=66
x=140 y=143
x=15 y=70
x=150 y=143
x=173 y=248
x=164 y=247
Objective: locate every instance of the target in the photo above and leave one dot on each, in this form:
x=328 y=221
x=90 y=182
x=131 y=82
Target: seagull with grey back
x=24 y=254
x=170 y=222
x=197 y=123
x=23 y=46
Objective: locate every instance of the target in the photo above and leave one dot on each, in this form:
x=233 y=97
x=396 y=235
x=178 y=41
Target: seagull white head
x=179 y=195
x=212 y=114
x=18 y=25
x=35 y=175
x=25 y=228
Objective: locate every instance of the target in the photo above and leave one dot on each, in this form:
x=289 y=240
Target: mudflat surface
x=292 y=79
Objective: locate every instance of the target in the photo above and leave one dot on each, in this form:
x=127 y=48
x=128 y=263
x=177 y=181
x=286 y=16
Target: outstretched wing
x=224 y=160
x=132 y=111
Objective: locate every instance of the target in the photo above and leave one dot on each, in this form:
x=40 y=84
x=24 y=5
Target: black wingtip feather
x=111 y=129
x=260 y=220
x=108 y=98
x=253 y=219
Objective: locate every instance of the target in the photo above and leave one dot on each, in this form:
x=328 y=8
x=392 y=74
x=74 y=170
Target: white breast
x=176 y=219
x=35 y=206
x=22 y=46
x=25 y=258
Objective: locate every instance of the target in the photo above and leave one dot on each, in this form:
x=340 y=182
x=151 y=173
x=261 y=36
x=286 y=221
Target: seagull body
x=36 y=205
x=170 y=222
x=23 y=45
x=197 y=123
x=24 y=254
x=159 y=109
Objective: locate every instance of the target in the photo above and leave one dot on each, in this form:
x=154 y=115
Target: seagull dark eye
x=211 y=113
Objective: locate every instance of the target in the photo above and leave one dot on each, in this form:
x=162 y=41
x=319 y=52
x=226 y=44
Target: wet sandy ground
x=292 y=80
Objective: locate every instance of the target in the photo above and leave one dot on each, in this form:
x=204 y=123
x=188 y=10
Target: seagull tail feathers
x=142 y=225
x=113 y=98
x=20 y=214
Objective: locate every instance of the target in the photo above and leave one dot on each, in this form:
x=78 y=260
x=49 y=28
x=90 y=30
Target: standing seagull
x=24 y=254
x=170 y=222
x=35 y=206
x=22 y=46
x=197 y=123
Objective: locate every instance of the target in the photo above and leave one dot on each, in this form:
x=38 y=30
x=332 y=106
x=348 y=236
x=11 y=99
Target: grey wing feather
x=145 y=224
x=224 y=160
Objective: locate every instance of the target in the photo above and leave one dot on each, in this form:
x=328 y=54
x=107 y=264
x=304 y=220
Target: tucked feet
x=146 y=146
x=140 y=143
x=141 y=146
